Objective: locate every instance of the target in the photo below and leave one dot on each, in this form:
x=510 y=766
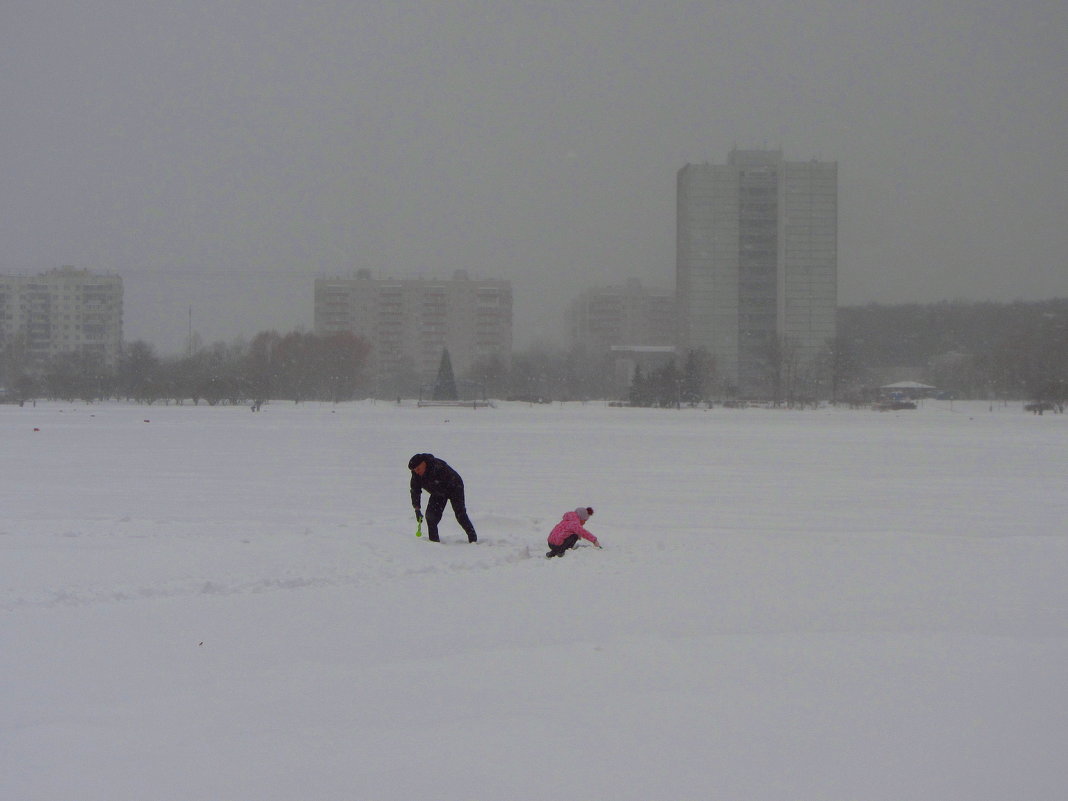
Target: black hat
x=418 y=459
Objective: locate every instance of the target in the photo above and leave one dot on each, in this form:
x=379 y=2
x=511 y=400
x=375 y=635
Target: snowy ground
x=210 y=604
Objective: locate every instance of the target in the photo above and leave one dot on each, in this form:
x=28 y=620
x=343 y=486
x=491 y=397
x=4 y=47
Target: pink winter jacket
x=568 y=526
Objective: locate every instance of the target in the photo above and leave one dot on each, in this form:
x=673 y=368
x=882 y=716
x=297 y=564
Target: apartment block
x=64 y=310
x=409 y=322
x=621 y=315
x=757 y=263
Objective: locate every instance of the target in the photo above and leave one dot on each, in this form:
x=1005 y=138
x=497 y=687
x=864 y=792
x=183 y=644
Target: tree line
x=970 y=350
x=296 y=366
x=1011 y=351
x=988 y=351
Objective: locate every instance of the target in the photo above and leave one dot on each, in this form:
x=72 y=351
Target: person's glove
x=419 y=515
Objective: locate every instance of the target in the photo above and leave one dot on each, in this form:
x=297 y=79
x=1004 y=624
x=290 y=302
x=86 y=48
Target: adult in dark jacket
x=445 y=486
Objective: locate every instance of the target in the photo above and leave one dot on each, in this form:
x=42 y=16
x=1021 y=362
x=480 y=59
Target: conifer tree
x=445 y=385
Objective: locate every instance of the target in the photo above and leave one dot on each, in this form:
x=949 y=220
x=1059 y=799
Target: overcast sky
x=222 y=155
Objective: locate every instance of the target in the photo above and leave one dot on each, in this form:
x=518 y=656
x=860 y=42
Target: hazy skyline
x=221 y=156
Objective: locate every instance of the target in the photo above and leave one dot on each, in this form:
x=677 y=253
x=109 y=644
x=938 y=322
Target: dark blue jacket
x=439 y=479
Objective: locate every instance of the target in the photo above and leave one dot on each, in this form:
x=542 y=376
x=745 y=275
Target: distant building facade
x=65 y=310
x=757 y=264
x=628 y=325
x=410 y=322
x=626 y=314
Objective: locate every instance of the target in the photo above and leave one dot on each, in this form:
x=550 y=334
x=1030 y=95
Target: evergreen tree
x=665 y=387
x=445 y=385
x=639 y=390
x=696 y=376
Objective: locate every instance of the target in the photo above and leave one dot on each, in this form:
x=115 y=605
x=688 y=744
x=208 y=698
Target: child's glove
x=419 y=515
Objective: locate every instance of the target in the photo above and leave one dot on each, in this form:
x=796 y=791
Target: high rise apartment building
x=65 y=310
x=410 y=322
x=757 y=264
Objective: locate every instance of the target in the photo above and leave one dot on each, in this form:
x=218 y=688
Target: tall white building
x=65 y=310
x=410 y=322
x=757 y=263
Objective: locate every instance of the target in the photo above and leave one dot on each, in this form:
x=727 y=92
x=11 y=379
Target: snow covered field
x=210 y=604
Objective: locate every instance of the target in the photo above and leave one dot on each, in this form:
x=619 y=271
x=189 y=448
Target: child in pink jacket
x=568 y=530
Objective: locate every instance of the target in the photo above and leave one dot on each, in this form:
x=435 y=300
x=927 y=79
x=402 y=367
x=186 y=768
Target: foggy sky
x=221 y=156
